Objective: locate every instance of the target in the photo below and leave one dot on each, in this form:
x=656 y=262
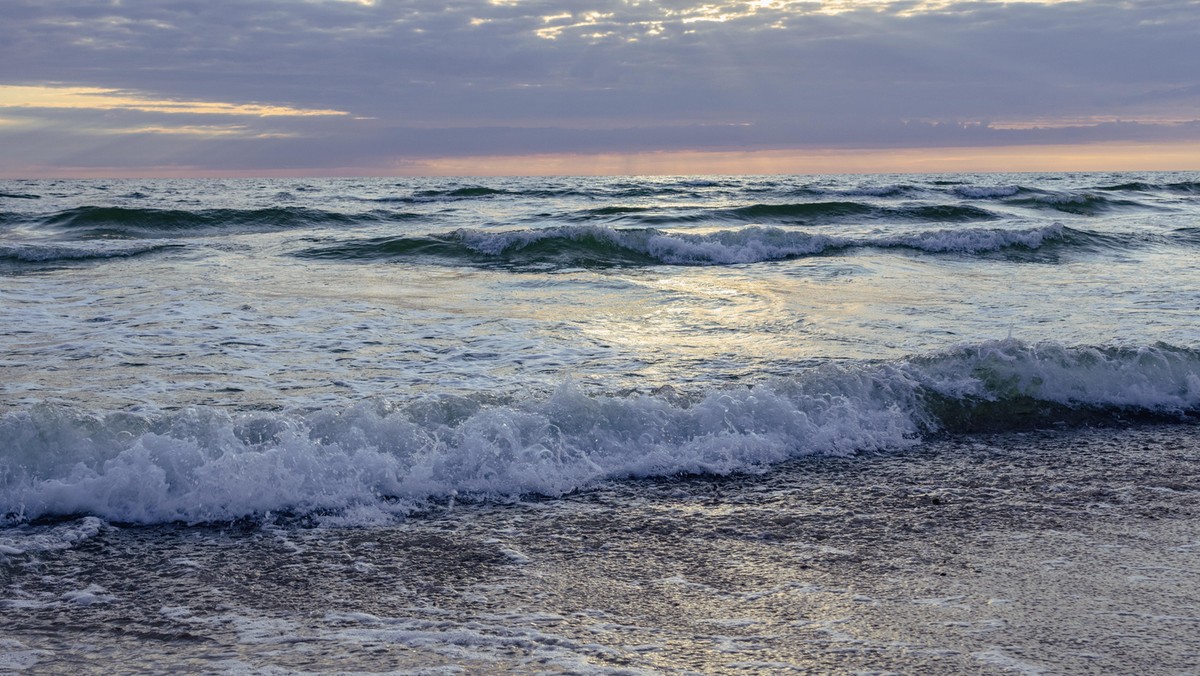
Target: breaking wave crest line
x=374 y=460
x=604 y=246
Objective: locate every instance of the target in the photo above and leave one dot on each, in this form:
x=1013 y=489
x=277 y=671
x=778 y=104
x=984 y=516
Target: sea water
x=228 y=405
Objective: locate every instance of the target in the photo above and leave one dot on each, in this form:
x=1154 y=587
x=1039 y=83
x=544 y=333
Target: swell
x=599 y=246
x=373 y=460
x=802 y=213
x=1080 y=204
x=1187 y=235
x=1185 y=187
x=41 y=252
x=443 y=194
x=124 y=222
x=934 y=189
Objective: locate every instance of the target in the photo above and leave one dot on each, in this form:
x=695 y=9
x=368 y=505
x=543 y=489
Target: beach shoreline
x=1065 y=551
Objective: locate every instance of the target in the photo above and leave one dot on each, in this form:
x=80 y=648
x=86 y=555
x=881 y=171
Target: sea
x=601 y=425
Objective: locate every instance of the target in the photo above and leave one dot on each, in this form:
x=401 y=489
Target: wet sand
x=1045 y=552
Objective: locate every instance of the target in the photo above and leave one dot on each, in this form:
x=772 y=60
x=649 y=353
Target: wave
x=806 y=213
x=897 y=190
x=802 y=212
x=1142 y=186
x=1189 y=235
x=894 y=190
x=634 y=190
x=123 y=222
x=1132 y=186
x=19 y=196
x=469 y=191
x=1190 y=187
x=371 y=461
x=31 y=252
x=444 y=194
x=1076 y=203
x=640 y=191
x=978 y=192
x=598 y=246
x=616 y=211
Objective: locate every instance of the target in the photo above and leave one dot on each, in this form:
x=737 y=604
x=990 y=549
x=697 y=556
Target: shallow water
x=1036 y=553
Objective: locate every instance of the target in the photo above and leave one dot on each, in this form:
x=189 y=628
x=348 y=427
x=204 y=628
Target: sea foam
x=373 y=460
x=595 y=245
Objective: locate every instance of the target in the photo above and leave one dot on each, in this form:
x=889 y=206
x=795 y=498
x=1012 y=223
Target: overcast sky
x=403 y=86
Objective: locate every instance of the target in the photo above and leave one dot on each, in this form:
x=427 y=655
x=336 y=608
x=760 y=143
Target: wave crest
x=597 y=246
x=123 y=222
x=376 y=459
x=41 y=252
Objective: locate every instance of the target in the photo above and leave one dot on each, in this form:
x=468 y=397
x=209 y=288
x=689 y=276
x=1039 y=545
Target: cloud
x=94 y=98
x=414 y=78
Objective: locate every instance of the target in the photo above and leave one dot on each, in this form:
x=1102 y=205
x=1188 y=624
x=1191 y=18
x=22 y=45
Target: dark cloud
x=473 y=78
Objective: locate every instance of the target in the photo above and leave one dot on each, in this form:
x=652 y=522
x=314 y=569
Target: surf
x=382 y=459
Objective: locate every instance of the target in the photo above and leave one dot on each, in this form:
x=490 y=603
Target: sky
x=497 y=87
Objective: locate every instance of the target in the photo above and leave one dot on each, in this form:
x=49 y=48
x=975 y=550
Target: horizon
x=1048 y=163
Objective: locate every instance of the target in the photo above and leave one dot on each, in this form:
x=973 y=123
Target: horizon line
x=1057 y=158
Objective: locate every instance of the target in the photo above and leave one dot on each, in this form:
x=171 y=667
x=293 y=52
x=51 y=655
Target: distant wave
x=889 y=191
x=365 y=462
x=643 y=191
x=598 y=246
x=145 y=223
x=932 y=190
x=19 y=196
x=1190 y=235
x=49 y=252
x=1081 y=204
x=991 y=191
x=471 y=191
x=477 y=192
x=801 y=213
x=1142 y=186
x=1191 y=187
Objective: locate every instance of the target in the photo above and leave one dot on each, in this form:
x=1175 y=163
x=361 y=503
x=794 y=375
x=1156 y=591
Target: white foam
x=16 y=656
x=746 y=245
x=986 y=192
x=753 y=244
x=977 y=240
x=1158 y=378
x=367 y=460
x=370 y=462
x=90 y=596
x=17 y=542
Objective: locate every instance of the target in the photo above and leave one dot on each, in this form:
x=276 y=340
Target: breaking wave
x=31 y=252
x=376 y=459
x=124 y=222
x=597 y=246
x=1080 y=204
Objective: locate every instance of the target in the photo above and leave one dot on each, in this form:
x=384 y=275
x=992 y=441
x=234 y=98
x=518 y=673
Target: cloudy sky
x=393 y=87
